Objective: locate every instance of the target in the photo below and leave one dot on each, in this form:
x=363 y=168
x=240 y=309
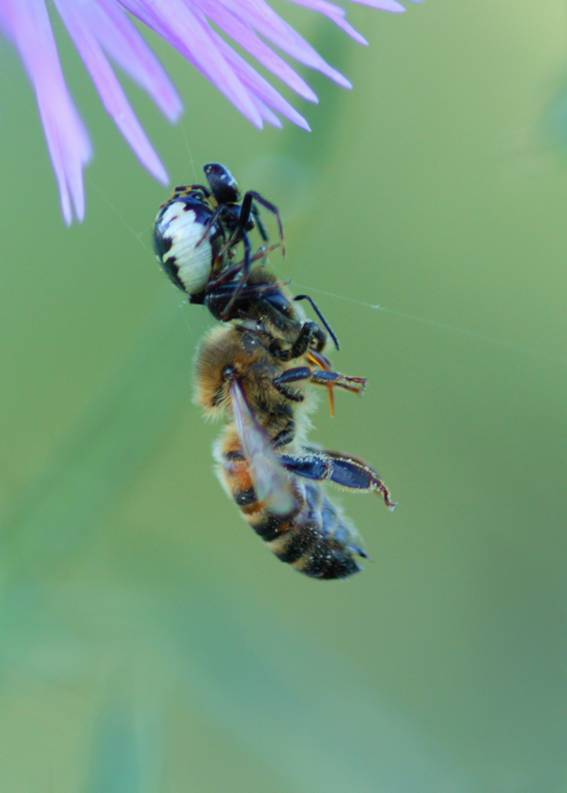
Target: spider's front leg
x=248 y=209
x=259 y=223
x=244 y=268
x=209 y=225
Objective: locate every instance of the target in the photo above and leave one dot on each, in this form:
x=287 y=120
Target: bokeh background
x=149 y=642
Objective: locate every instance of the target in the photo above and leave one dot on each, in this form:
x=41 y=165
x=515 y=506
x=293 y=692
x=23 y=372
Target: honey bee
x=263 y=460
x=255 y=370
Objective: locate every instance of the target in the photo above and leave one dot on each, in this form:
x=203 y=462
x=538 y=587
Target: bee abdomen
x=313 y=538
x=269 y=526
x=330 y=561
x=315 y=541
x=330 y=554
x=315 y=555
x=301 y=543
x=235 y=472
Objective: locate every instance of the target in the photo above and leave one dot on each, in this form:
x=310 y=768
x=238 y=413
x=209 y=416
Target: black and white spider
x=199 y=229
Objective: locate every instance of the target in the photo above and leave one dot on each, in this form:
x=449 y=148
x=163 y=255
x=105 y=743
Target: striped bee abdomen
x=329 y=552
x=314 y=538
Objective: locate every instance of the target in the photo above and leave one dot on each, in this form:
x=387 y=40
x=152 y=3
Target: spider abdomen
x=184 y=243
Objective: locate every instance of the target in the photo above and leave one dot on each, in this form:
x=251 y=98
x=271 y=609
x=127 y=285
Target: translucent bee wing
x=272 y=482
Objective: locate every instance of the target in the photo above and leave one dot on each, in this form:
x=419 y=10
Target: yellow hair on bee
x=221 y=348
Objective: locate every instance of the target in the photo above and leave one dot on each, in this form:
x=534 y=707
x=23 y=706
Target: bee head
x=223 y=185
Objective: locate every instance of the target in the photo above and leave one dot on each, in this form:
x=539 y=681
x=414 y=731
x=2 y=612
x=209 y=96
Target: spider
x=198 y=229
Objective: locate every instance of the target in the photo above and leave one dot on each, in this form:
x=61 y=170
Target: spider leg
x=247 y=209
x=245 y=270
x=259 y=224
x=264 y=251
x=190 y=188
x=227 y=275
x=210 y=222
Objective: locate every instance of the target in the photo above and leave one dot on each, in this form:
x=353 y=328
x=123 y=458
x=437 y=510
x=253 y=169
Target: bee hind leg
x=349 y=472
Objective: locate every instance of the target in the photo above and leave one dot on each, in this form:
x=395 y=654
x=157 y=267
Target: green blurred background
x=149 y=641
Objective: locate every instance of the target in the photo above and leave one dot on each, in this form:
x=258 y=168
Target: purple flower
x=104 y=34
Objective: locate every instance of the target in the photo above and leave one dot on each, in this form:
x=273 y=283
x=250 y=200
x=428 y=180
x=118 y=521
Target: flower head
x=104 y=33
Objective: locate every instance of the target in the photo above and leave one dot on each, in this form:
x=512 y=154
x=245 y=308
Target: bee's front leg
x=309 y=334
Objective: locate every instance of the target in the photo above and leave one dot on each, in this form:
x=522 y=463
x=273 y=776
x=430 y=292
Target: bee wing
x=272 y=482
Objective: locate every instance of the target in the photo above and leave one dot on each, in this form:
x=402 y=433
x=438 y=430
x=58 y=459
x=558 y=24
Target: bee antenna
x=321 y=316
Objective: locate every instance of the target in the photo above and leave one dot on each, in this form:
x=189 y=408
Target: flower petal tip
x=204 y=32
x=175 y=113
x=162 y=176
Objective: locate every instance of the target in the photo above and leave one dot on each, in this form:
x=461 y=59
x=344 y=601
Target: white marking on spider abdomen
x=194 y=262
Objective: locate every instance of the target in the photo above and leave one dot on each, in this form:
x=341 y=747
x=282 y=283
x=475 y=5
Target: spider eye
x=223 y=185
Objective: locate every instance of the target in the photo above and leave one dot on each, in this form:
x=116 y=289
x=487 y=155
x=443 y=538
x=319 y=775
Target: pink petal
x=103 y=32
x=335 y=13
x=186 y=31
x=27 y=23
x=271 y=26
x=250 y=42
x=78 y=21
x=383 y=5
x=121 y=41
x=260 y=88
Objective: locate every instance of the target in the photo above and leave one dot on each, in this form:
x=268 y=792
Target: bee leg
x=323 y=377
x=355 y=385
x=309 y=332
x=295 y=375
x=321 y=316
x=288 y=393
x=342 y=469
x=285 y=436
